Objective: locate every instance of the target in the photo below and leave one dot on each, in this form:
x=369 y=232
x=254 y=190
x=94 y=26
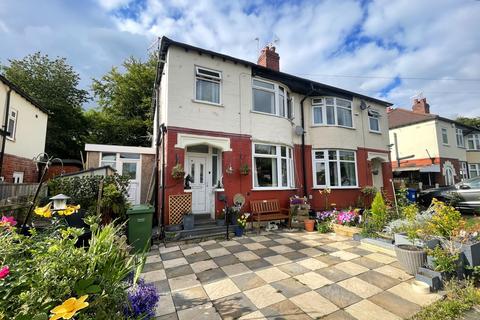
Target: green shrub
x=378 y=213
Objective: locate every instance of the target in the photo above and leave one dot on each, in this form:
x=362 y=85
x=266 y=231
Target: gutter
x=4 y=131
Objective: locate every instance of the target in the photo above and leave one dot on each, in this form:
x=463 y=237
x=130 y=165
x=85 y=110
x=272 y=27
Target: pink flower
x=4 y=271
x=8 y=221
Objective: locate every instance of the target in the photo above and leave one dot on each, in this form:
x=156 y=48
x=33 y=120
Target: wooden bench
x=268 y=210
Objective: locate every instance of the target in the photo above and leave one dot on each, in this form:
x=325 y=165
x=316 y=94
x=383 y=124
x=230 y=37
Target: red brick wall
x=13 y=163
x=241 y=153
x=56 y=170
x=437 y=177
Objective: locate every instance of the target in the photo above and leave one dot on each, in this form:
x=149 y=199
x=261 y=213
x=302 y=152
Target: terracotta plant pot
x=411 y=258
x=309 y=225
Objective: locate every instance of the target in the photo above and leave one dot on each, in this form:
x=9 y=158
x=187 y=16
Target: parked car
x=465 y=195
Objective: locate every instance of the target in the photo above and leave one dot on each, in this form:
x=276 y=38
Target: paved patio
x=281 y=276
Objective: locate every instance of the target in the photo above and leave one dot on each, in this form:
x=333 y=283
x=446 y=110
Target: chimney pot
x=269 y=58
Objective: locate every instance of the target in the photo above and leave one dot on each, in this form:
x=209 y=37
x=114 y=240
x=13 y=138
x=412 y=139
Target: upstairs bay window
x=334 y=168
x=207 y=85
x=332 y=111
x=271 y=98
x=272 y=166
x=473 y=142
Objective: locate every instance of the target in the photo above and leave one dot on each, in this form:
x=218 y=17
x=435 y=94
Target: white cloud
x=432 y=39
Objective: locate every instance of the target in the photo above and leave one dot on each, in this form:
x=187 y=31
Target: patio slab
x=294 y=276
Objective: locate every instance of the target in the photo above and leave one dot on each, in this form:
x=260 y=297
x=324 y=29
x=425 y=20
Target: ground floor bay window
x=334 y=168
x=272 y=166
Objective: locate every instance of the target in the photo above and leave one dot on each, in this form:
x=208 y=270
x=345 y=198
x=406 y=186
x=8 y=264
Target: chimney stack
x=269 y=58
x=421 y=106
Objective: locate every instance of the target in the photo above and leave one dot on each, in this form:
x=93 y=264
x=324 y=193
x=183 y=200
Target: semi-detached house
x=240 y=127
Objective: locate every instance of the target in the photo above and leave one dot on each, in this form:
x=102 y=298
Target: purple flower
x=325 y=215
x=142 y=300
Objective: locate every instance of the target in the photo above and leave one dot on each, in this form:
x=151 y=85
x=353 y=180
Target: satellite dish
x=239 y=199
x=363 y=105
x=299 y=130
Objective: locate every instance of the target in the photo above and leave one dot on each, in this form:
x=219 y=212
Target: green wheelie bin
x=140 y=219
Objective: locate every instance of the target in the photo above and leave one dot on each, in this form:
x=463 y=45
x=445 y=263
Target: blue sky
x=393 y=50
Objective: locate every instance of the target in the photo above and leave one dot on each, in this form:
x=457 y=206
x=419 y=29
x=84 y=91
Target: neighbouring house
x=23 y=133
x=234 y=126
x=430 y=150
x=136 y=162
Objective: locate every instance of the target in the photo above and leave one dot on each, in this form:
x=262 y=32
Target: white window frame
x=18 y=176
x=459 y=137
x=321 y=103
x=464 y=168
x=375 y=116
x=475 y=139
x=444 y=134
x=326 y=161
x=473 y=170
x=278 y=156
x=277 y=97
x=12 y=134
x=209 y=78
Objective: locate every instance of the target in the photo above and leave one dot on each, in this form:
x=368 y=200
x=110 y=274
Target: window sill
x=207 y=103
x=375 y=132
x=335 y=188
x=331 y=126
x=273 y=189
x=445 y=145
x=218 y=190
x=10 y=139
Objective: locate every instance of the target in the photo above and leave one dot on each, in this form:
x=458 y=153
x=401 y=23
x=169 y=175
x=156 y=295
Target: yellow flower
x=44 y=211
x=68 y=308
x=70 y=210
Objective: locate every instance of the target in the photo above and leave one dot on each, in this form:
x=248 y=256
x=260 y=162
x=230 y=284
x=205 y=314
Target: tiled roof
x=400 y=117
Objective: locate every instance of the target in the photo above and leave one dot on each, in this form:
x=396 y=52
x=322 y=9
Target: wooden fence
x=17 y=193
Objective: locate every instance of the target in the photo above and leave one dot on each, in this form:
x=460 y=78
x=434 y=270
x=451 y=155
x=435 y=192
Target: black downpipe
x=4 y=131
x=304 y=164
x=162 y=211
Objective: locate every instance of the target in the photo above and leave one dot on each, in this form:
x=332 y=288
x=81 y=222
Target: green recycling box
x=140 y=218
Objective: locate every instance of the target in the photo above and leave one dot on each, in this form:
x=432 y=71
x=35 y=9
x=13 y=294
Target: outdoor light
x=60 y=201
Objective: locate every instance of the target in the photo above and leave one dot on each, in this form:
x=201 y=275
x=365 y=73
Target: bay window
x=207 y=85
x=474 y=170
x=473 y=142
x=272 y=166
x=332 y=111
x=269 y=97
x=334 y=168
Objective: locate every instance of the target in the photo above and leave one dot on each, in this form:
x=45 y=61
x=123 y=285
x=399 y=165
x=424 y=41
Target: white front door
x=377 y=174
x=131 y=168
x=197 y=171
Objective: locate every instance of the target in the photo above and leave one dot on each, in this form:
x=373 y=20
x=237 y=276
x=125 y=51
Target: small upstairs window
x=207 y=86
x=460 y=139
x=373 y=121
x=12 y=124
x=444 y=136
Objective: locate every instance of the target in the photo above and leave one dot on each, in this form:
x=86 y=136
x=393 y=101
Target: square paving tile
x=171 y=316
x=344 y=255
x=312 y=252
x=155 y=275
x=294 y=255
x=277 y=260
x=329 y=260
x=153 y=259
x=366 y=310
x=236 y=248
x=202 y=312
x=168 y=249
x=312 y=264
x=220 y=289
x=236 y=269
x=248 y=281
x=244 y=240
x=152 y=266
x=189 y=298
x=405 y=291
x=259 y=238
x=256 y=315
x=290 y=287
x=162 y=286
x=264 y=296
x=382 y=258
x=165 y=307
x=284 y=241
x=314 y=304
x=340 y=296
x=327 y=249
x=360 y=287
x=351 y=268
x=341 y=245
x=339 y=315
x=246 y=256
x=211 y=275
x=211 y=246
x=218 y=252
x=297 y=246
x=367 y=263
x=192 y=250
x=281 y=249
x=333 y=274
x=226 y=260
x=359 y=251
x=272 y=274
x=285 y=310
x=313 y=280
x=257 y=264
x=174 y=263
x=254 y=246
x=178 y=271
x=293 y=268
x=234 y=306
x=394 y=273
x=183 y=282
x=378 y=279
x=395 y=304
x=201 y=266
x=264 y=252
x=171 y=255
x=195 y=257
x=229 y=243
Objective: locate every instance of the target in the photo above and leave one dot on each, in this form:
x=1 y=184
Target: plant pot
x=220 y=222
x=410 y=257
x=188 y=222
x=471 y=253
x=346 y=231
x=238 y=231
x=309 y=225
x=401 y=238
